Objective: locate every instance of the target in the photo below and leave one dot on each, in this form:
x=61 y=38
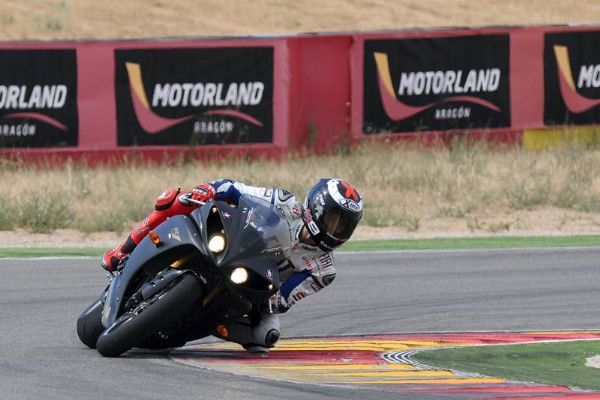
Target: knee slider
x=166 y=199
x=272 y=337
x=327 y=279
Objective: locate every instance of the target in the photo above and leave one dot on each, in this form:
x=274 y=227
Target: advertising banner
x=432 y=84
x=194 y=96
x=572 y=78
x=38 y=98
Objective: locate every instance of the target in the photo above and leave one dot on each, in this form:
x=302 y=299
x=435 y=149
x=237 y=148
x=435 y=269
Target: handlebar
x=187 y=197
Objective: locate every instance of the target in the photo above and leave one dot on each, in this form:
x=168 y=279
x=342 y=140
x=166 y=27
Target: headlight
x=239 y=275
x=216 y=243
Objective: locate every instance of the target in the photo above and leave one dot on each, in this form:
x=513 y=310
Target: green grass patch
x=497 y=242
x=560 y=363
x=26 y=252
x=501 y=242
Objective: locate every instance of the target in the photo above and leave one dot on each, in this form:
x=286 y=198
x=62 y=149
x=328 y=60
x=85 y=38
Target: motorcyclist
x=327 y=219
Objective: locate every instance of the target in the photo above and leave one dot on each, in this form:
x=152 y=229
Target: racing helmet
x=332 y=209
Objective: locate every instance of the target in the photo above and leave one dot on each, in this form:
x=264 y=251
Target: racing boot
x=167 y=205
x=112 y=258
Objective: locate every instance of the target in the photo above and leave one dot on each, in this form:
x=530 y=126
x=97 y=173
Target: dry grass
x=474 y=187
x=403 y=186
x=70 y=19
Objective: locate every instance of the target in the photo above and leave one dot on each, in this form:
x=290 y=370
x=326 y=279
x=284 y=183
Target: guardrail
x=256 y=96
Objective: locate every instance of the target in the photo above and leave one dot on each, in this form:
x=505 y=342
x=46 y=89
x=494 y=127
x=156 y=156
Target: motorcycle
x=190 y=277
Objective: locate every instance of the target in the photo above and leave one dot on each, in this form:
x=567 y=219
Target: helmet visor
x=338 y=225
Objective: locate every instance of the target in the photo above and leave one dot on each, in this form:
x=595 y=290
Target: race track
x=405 y=292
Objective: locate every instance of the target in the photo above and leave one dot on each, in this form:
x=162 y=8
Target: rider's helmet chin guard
x=332 y=209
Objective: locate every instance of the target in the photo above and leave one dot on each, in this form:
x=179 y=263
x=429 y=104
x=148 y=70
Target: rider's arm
x=230 y=191
x=307 y=282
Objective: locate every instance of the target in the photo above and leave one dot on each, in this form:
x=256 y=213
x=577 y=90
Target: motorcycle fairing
x=257 y=235
x=178 y=237
x=255 y=231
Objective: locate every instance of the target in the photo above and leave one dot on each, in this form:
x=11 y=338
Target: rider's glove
x=203 y=192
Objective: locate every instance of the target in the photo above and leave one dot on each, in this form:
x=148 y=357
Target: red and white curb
x=383 y=362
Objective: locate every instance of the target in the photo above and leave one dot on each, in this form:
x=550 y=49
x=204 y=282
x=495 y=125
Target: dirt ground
x=71 y=19
x=544 y=222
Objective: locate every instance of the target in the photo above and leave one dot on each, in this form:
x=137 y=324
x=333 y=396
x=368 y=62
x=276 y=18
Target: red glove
x=203 y=192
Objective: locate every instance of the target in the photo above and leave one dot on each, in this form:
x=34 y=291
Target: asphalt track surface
x=400 y=292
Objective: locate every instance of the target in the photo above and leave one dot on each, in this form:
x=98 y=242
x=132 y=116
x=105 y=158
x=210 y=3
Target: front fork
x=113 y=305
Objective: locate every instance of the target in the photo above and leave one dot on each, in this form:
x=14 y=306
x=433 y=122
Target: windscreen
x=270 y=222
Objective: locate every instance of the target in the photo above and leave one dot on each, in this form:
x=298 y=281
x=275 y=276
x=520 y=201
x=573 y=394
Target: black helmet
x=332 y=209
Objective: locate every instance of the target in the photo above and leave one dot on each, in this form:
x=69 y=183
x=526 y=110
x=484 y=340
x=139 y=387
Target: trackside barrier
x=105 y=101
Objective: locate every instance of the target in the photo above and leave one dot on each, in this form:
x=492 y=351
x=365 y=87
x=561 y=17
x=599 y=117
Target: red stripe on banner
x=40 y=117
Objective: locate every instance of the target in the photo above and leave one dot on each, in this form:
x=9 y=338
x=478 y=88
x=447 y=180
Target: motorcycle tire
x=89 y=324
x=161 y=311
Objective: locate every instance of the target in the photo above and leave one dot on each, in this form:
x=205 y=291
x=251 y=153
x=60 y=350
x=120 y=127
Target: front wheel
x=162 y=310
x=89 y=324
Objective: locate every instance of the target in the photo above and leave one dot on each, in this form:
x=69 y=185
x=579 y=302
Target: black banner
x=572 y=78
x=436 y=84
x=194 y=96
x=38 y=98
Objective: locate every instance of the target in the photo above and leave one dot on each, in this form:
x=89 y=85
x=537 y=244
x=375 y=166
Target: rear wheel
x=161 y=311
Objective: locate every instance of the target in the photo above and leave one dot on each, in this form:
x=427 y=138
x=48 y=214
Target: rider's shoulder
x=283 y=196
x=287 y=201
